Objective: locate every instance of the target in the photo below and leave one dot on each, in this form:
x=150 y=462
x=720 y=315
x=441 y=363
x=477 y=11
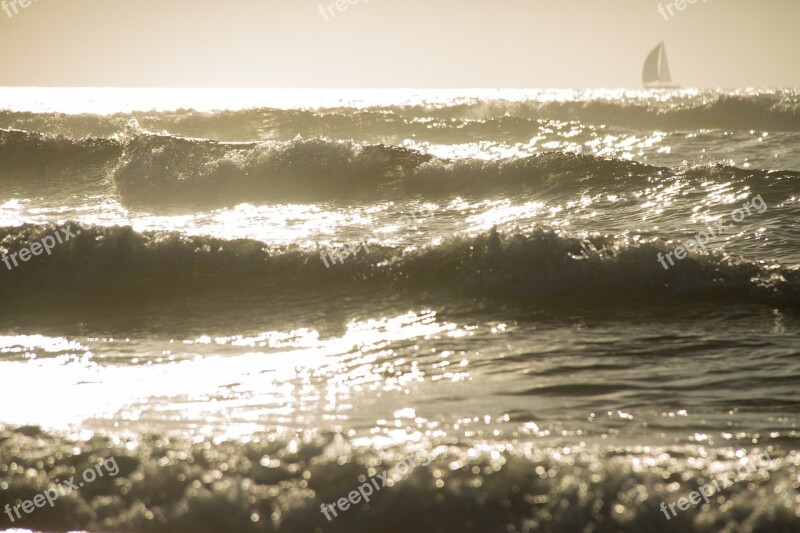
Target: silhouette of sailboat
x=656 y=70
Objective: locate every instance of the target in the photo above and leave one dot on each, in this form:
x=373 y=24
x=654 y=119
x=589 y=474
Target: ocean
x=509 y=311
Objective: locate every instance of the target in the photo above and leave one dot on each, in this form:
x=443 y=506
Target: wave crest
x=481 y=118
x=541 y=269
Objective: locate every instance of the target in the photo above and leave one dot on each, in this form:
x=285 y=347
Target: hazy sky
x=396 y=43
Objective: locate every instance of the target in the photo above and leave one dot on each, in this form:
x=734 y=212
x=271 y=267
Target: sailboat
x=656 y=70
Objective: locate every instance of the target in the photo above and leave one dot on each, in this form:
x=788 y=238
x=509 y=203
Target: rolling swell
x=541 y=269
x=766 y=112
x=479 y=118
x=20 y=148
x=51 y=166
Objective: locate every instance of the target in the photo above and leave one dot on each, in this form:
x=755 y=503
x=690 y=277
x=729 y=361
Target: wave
x=53 y=166
x=542 y=269
x=279 y=483
x=20 y=148
x=178 y=170
x=763 y=112
x=155 y=168
x=166 y=168
x=475 y=119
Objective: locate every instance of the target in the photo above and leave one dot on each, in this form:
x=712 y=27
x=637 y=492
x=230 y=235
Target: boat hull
x=661 y=86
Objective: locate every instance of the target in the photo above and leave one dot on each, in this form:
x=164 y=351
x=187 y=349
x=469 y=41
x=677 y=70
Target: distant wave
x=500 y=120
x=542 y=269
x=767 y=112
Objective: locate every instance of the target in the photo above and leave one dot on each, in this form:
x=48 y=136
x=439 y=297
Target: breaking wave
x=541 y=269
x=152 y=168
x=185 y=169
x=179 y=170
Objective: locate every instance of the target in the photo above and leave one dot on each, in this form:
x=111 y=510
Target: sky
x=396 y=43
